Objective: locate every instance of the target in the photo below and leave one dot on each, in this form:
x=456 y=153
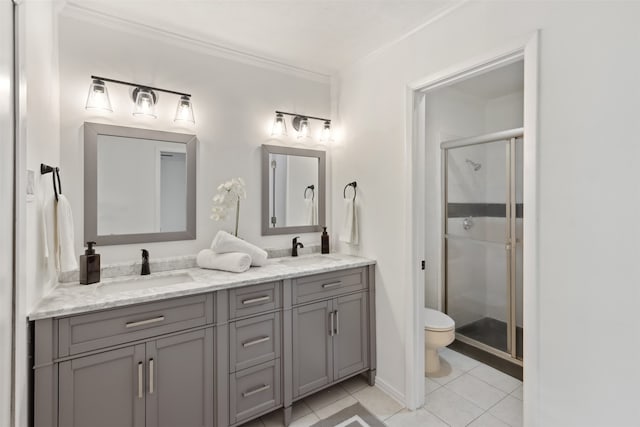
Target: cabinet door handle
x=144 y=322
x=337 y=322
x=256 y=341
x=151 y=376
x=331 y=285
x=255 y=300
x=331 y=327
x=256 y=390
x=140 y=387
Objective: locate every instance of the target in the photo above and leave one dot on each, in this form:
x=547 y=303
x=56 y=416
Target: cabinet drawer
x=86 y=332
x=311 y=288
x=253 y=341
x=254 y=299
x=254 y=391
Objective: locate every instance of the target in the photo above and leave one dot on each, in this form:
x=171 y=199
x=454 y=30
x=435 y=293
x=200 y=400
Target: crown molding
x=83 y=13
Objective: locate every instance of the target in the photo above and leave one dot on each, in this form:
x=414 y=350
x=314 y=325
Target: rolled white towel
x=234 y=262
x=225 y=242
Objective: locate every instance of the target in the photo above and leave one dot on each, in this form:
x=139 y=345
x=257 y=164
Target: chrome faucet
x=296 y=245
x=145 y=263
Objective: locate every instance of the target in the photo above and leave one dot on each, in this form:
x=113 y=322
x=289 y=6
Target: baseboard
x=391 y=391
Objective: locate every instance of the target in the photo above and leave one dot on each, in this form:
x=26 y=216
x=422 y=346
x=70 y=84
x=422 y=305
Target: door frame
x=527 y=49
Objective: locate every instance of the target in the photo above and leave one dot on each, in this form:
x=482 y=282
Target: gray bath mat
x=353 y=416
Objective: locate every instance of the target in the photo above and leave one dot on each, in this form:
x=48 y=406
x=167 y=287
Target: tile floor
x=463 y=393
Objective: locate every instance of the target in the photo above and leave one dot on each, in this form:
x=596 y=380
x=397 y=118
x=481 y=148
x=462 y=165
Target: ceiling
x=317 y=35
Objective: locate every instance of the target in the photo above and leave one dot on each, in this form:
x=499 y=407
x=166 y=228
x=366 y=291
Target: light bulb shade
x=145 y=102
x=279 y=126
x=98 y=97
x=303 y=128
x=184 y=111
x=325 y=135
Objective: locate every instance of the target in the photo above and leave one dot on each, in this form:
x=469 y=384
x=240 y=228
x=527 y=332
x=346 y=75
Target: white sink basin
x=308 y=260
x=144 y=282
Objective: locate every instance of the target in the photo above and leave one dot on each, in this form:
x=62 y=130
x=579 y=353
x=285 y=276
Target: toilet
x=439 y=331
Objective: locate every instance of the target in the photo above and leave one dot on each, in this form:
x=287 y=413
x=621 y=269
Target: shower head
x=476 y=166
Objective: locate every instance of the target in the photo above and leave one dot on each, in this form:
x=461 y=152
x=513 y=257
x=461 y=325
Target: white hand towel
x=349 y=232
x=311 y=212
x=225 y=242
x=66 y=252
x=49 y=231
x=235 y=262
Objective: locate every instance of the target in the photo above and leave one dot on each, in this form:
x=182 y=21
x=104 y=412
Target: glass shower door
x=477 y=265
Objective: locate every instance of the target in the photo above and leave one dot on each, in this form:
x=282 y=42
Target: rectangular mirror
x=293 y=190
x=140 y=185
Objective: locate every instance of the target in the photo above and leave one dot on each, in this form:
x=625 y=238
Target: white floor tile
x=306 y=421
x=335 y=407
x=476 y=391
x=459 y=360
x=377 y=402
x=517 y=393
x=419 y=418
x=430 y=385
x=300 y=409
x=508 y=410
x=452 y=408
x=325 y=397
x=355 y=384
x=447 y=373
x=487 y=420
x=496 y=378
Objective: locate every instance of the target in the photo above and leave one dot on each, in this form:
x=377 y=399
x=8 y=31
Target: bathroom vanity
x=202 y=348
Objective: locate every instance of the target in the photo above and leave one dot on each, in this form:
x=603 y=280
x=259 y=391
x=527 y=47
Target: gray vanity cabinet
x=312 y=347
x=179 y=380
x=330 y=337
x=163 y=383
x=103 y=390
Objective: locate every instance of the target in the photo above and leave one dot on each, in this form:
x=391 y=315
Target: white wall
x=587 y=369
x=234 y=106
x=301 y=172
x=6 y=209
x=38 y=127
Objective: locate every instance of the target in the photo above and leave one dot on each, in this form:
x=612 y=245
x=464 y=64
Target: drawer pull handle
x=256 y=390
x=257 y=341
x=144 y=322
x=337 y=323
x=255 y=300
x=151 y=376
x=331 y=285
x=140 y=391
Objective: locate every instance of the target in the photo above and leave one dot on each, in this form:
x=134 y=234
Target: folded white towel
x=311 y=211
x=349 y=233
x=235 y=262
x=66 y=251
x=225 y=242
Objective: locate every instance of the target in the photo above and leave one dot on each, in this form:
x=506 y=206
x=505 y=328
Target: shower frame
x=510 y=137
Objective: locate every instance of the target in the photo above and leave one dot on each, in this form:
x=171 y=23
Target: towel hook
x=55 y=173
x=313 y=191
x=353 y=184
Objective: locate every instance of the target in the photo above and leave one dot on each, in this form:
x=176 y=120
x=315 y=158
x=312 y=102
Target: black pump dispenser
x=324 y=242
x=89 y=265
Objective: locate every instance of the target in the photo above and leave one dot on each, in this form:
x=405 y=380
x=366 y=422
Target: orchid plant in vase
x=229 y=194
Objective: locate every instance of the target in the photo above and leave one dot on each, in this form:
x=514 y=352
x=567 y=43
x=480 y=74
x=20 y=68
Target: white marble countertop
x=72 y=298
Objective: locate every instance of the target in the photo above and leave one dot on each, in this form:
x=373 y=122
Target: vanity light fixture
x=279 y=126
x=300 y=123
x=98 y=97
x=144 y=97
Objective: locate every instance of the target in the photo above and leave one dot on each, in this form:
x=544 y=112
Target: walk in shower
x=482 y=241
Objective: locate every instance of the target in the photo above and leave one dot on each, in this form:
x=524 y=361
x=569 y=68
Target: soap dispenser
x=324 y=242
x=89 y=265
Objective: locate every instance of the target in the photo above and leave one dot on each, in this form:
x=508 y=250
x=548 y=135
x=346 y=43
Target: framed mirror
x=139 y=185
x=293 y=190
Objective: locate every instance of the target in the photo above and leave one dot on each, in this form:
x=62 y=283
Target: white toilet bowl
x=439 y=331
